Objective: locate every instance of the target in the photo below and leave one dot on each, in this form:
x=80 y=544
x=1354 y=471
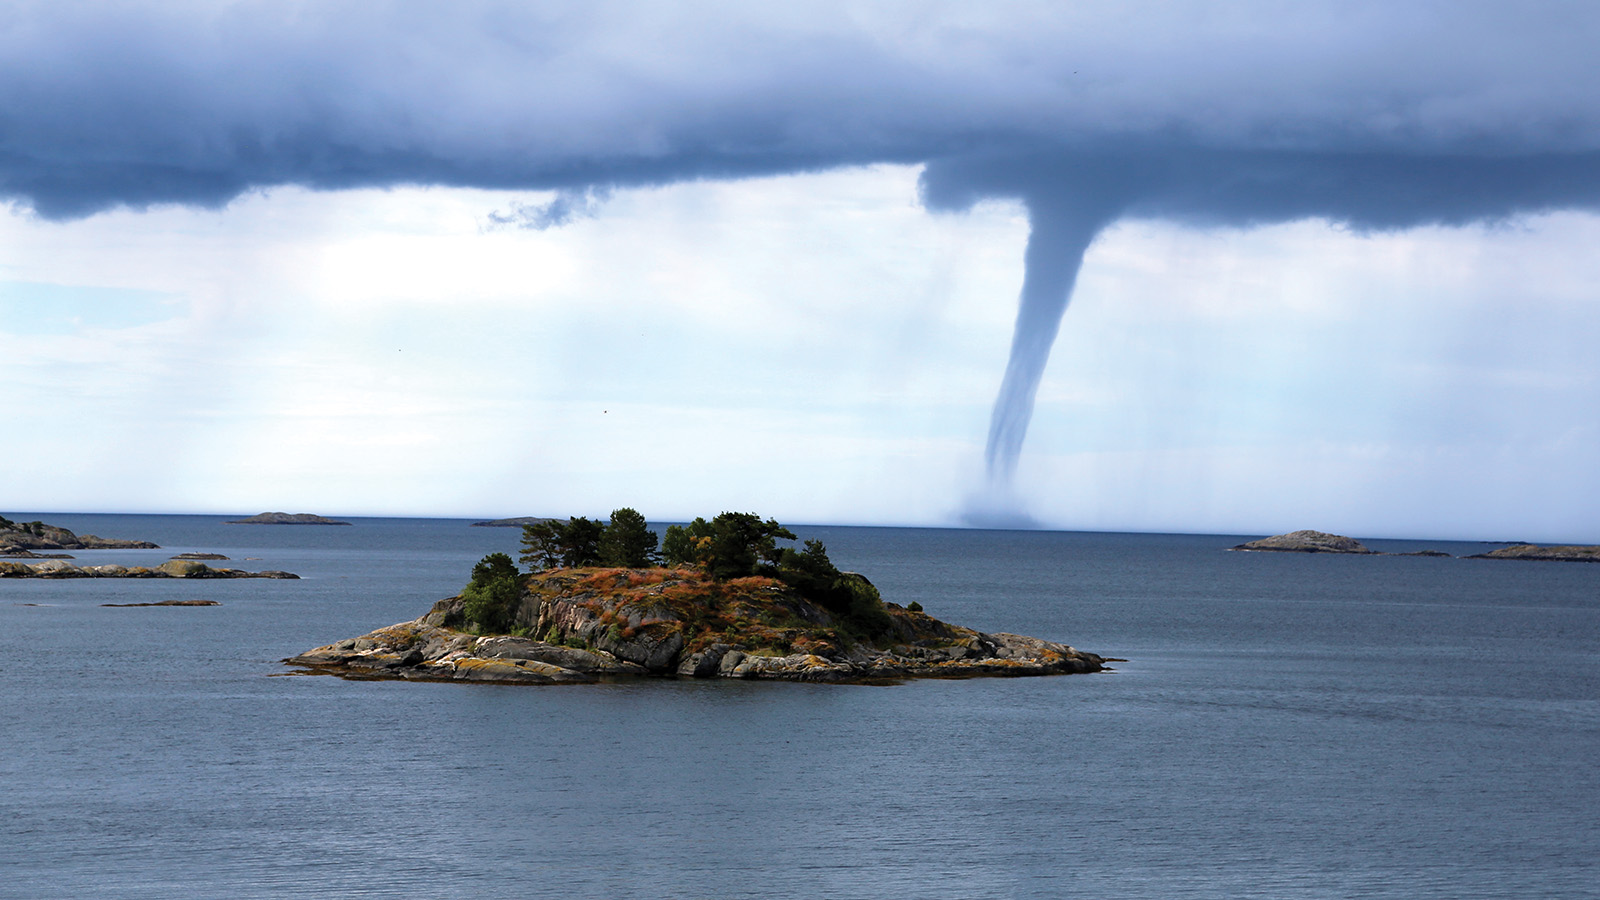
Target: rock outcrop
x=22 y=536
x=1306 y=542
x=581 y=625
x=1563 y=553
x=172 y=568
x=281 y=518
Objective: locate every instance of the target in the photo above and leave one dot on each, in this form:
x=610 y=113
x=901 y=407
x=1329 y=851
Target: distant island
x=1563 y=553
x=719 y=600
x=19 y=538
x=1322 y=542
x=172 y=568
x=1306 y=542
x=516 y=522
x=279 y=518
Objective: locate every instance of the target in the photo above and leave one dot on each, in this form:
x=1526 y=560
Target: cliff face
x=584 y=624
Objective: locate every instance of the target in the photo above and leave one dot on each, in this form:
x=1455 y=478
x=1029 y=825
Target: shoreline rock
x=281 y=518
x=172 y=568
x=587 y=625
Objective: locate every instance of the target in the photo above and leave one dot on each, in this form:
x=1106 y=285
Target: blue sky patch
x=36 y=308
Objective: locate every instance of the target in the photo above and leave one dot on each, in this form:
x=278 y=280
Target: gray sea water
x=1285 y=726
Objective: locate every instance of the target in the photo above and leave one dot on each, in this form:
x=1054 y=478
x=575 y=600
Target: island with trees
x=711 y=599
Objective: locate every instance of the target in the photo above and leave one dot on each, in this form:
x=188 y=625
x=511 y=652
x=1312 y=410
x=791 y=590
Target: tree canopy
x=627 y=542
x=732 y=545
x=575 y=542
x=491 y=597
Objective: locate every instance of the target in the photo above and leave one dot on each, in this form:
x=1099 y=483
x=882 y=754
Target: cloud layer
x=135 y=104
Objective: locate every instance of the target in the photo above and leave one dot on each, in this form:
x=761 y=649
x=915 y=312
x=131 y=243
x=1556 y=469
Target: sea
x=1277 y=726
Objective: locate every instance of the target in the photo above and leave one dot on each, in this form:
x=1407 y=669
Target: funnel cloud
x=1375 y=116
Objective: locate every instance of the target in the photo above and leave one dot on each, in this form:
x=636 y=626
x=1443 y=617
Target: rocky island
x=1564 y=553
x=281 y=518
x=723 y=602
x=1306 y=542
x=18 y=539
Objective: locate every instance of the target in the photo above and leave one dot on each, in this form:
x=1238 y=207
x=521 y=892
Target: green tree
x=491 y=597
x=687 y=545
x=742 y=545
x=541 y=545
x=850 y=597
x=627 y=541
x=575 y=542
x=580 y=542
x=677 y=548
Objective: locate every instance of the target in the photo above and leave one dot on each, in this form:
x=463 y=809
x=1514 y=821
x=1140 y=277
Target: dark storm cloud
x=133 y=104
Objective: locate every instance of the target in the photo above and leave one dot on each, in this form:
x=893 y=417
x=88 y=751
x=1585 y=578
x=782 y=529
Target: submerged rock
x=1307 y=542
x=576 y=625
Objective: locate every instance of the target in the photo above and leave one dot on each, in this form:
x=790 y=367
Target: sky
x=1313 y=265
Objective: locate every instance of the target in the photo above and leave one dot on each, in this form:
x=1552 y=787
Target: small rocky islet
x=283 y=518
x=586 y=624
x=1321 y=542
x=719 y=600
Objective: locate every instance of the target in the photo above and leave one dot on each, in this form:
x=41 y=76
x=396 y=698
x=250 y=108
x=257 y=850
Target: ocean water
x=1284 y=726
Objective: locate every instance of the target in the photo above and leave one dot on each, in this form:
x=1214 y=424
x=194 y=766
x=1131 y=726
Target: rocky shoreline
x=587 y=625
x=19 y=539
